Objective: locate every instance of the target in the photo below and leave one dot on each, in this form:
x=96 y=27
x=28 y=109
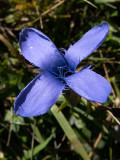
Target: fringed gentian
x=58 y=71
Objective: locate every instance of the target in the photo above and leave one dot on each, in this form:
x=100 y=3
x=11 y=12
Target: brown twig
x=8 y=45
x=41 y=15
x=62 y=140
x=41 y=22
x=90 y=3
x=52 y=8
x=110 y=113
x=100 y=135
x=107 y=76
x=96 y=143
x=49 y=10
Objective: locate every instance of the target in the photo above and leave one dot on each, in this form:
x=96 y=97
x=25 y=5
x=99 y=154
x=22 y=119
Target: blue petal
x=86 y=45
x=89 y=85
x=38 y=96
x=38 y=49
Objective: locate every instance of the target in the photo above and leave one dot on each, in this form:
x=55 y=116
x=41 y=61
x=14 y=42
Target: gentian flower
x=58 y=71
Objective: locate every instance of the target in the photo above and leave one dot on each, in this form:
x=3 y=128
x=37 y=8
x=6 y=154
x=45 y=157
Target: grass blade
x=78 y=147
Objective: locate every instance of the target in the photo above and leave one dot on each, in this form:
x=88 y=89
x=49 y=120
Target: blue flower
x=58 y=71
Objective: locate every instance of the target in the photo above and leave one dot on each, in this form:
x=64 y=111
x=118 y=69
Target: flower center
x=62 y=73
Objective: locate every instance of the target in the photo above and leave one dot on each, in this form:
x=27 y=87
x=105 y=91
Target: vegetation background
x=48 y=137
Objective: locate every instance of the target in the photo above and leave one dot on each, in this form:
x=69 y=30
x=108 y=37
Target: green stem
x=63 y=105
x=78 y=147
x=110 y=152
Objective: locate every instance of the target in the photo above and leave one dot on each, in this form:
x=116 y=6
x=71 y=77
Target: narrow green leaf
x=38 y=148
x=38 y=134
x=78 y=147
x=106 y=1
x=100 y=59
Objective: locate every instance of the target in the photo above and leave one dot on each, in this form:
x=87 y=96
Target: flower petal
x=38 y=96
x=86 y=45
x=89 y=85
x=38 y=49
